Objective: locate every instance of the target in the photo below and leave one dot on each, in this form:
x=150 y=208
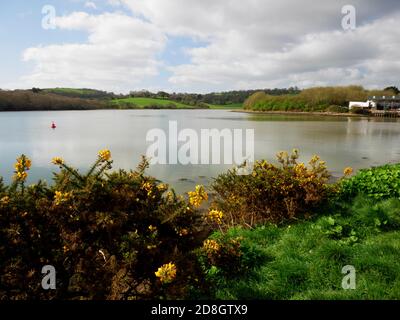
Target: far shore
x=334 y=114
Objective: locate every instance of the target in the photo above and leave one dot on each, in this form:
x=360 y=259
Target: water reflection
x=342 y=141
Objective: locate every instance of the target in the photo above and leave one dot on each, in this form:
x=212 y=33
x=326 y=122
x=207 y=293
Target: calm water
x=342 y=142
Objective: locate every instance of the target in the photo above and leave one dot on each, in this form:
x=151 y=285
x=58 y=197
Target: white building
x=361 y=104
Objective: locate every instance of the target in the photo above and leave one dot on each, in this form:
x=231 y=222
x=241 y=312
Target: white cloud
x=120 y=52
x=90 y=5
x=270 y=43
x=249 y=44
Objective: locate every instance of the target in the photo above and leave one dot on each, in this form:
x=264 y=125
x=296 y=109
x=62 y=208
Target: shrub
x=161 y=106
x=119 y=235
x=377 y=183
x=337 y=109
x=360 y=110
x=272 y=193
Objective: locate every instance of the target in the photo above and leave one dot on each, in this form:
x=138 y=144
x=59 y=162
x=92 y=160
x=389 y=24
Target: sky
x=198 y=45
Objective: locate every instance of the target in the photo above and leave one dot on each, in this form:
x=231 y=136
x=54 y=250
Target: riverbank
x=302 y=113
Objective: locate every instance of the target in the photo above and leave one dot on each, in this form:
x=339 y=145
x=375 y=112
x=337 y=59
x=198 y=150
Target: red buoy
x=53 y=125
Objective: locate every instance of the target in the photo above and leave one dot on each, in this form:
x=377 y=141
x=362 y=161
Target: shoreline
x=302 y=113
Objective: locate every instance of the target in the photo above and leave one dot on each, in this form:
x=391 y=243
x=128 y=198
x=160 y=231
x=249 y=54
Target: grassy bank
x=305 y=260
x=141 y=103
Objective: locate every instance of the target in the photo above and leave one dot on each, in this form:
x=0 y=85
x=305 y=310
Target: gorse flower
x=58 y=161
x=5 y=200
x=166 y=273
x=211 y=246
x=104 y=155
x=183 y=232
x=147 y=186
x=152 y=228
x=162 y=187
x=300 y=168
x=198 y=196
x=28 y=163
x=22 y=165
x=215 y=216
x=21 y=175
x=60 y=197
x=348 y=171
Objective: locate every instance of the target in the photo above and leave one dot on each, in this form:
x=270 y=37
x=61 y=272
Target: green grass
x=232 y=106
x=304 y=260
x=144 y=102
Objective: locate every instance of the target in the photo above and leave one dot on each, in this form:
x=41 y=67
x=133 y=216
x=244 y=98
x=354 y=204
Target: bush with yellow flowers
x=225 y=255
x=109 y=235
x=271 y=193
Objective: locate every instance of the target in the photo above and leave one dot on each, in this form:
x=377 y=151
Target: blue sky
x=198 y=46
x=21 y=28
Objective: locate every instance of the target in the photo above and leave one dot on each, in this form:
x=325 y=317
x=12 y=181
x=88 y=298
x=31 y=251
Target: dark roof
x=391 y=97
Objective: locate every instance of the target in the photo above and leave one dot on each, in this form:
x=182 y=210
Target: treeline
x=217 y=98
x=334 y=99
x=78 y=93
x=31 y=100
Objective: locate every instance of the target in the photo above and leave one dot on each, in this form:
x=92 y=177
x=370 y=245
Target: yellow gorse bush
x=272 y=192
x=94 y=224
x=197 y=197
x=166 y=273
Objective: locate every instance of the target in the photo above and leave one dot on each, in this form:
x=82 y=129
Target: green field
x=145 y=102
x=227 y=106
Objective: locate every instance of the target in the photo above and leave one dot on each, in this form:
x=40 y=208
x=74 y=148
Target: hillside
x=334 y=99
x=152 y=103
x=27 y=100
x=79 y=93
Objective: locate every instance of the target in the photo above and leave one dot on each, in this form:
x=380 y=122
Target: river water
x=340 y=141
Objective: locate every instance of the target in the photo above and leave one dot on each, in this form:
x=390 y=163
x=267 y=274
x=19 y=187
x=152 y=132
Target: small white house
x=360 y=104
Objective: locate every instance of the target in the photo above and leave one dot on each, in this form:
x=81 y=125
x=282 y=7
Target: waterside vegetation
x=281 y=232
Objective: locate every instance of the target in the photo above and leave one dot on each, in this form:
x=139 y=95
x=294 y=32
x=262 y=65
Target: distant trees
x=163 y=95
x=312 y=99
x=217 y=98
x=32 y=100
x=79 y=93
x=395 y=90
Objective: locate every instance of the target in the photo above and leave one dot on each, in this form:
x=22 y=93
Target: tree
x=394 y=89
x=163 y=94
